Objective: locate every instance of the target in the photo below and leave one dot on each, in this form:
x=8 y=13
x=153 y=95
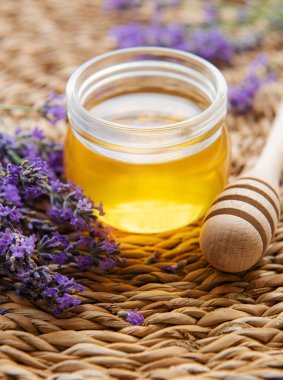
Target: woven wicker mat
x=199 y=323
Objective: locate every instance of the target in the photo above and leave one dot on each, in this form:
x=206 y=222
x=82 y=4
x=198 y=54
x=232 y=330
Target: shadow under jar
x=147 y=136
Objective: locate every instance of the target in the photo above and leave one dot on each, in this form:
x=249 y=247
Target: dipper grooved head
x=240 y=225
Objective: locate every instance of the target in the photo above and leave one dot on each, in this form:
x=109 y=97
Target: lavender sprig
x=211 y=43
x=53 y=109
x=132 y=316
x=52 y=288
x=46 y=223
x=174 y=268
x=17 y=261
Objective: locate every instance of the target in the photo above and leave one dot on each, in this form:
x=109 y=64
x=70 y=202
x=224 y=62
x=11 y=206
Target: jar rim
x=218 y=100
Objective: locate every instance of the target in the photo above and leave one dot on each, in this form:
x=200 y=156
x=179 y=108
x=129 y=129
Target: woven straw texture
x=199 y=323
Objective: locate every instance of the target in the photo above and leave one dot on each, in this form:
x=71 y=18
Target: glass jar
x=147 y=136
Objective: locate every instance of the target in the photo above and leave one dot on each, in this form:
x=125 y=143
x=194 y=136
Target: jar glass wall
x=147 y=136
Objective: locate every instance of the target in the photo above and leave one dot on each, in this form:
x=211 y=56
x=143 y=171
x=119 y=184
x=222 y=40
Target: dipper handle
x=270 y=163
x=242 y=220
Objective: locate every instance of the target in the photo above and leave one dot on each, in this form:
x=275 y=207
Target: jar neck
x=131 y=70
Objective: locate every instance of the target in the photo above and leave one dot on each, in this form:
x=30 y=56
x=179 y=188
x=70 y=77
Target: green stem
x=11 y=107
x=15 y=157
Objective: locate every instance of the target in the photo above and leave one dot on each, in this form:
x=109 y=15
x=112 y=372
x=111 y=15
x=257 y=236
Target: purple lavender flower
x=9 y=214
x=61 y=239
x=30 y=177
x=85 y=242
x=49 y=242
x=16 y=251
x=67 y=284
x=58 y=249
x=120 y=5
x=77 y=191
x=22 y=246
x=10 y=194
x=30 y=146
x=129 y=35
x=85 y=205
x=99 y=209
x=6 y=239
x=84 y=262
x=174 y=268
x=67 y=188
x=4 y=311
x=30 y=151
x=53 y=288
x=134 y=317
x=108 y=246
x=259 y=62
x=135 y=34
x=5 y=141
x=71 y=234
x=211 y=13
x=56 y=185
x=78 y=223
x=107 y=264
x=172 y=36
x=33 y=178
x=211 y=44
x=37 y=134
x=62 y=258
x=76 y=218
x=54 y=108
x=65 y=302
x=72 y=207
x=60 y=215
x=55 y=159
x=241 y=95
x=12 y=175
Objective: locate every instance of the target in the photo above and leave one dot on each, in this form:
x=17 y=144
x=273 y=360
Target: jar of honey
x=147 y=136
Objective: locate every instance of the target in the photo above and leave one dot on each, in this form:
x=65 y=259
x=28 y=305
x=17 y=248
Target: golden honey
x=150 y=174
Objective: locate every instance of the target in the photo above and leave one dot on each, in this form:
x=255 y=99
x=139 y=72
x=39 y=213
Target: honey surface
x=148 y=198
x=142 y=109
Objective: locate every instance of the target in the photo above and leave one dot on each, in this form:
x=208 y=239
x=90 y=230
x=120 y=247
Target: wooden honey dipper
x=242 y=220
